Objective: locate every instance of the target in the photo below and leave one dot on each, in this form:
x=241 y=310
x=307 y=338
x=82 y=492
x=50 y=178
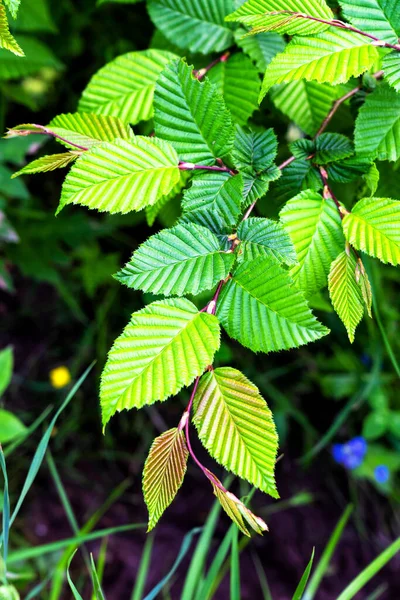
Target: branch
x=202 y=72
x=187 y=166
x=39 y=130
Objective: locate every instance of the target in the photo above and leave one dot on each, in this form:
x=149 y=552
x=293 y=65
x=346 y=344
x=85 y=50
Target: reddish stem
x=187 y=166
x=46 y=131
x=203 y=72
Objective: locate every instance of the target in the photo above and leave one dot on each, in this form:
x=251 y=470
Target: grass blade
x=27 y=432
x=235 y=566
x=206 y=590
x=75 y=592
x=298 y=595
x=137 y=593
x=187 y=540
x=98 y=592
x=6 y=511
x=262 y=577
x=362 y=579
x=323 y=564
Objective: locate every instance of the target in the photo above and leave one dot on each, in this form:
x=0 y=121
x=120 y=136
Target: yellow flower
x=60 y=377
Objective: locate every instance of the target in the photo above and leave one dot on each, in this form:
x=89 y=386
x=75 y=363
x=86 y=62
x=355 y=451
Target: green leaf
x=261 y=15
x=391 y=68
x=186 y=259
x=215 y=196
x=152 y=212
x=264 y=237
x=238 y=82
x=330 y=147
x=195 y=25
x=6 y=368
x=236 y=510
x=377 y=17
x=7 y=41
x=10 y=427
x=345 y=292
x=261 y=308
x=377 y=131
x=307 y=103
x=329 y=57
x=260 y=48
x=376 y=424
x=170 y=338
x=373 y=226
x=298 y=176
x=163 y=473
x=236 y=426
x=124 y=87
x=48 y=163
x=37 y=56
x=314 y=226
x=365 y=285
x=254 y=152
x=349 y=169
x=256 y=186
x=191 y=115
x=13 y=6
x=122 y=176
x=298 y=594
x=88 y=130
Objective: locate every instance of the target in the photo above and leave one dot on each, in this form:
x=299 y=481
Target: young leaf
x=163 y=473
x=378 y=17
x=332 y=56
x=365 y=285
x=236 y=426
x=262 y=16
x=236 y=510
x=195 y=25
x=314 y=226
x=331 y=147
x=307 y=103
x=238 y=82
x=7 y=41
x=88 y=130
x=169 y=338
x=260 y=48
x=48 y=163
x=13 y=6
x=217 y=195
x=124 y=87
x=345 y=292
x=122 y=176
x=264 y=237
x=261 y=308
x=186 y=259
x=391 y=68
x=191 y=115
x=377 y=132
x=254 y=152
x=373 y=226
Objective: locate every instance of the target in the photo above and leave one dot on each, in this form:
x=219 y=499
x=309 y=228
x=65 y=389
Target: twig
x=202 y=72
x=187 y=166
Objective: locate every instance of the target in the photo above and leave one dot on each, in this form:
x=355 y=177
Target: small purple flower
x=382 y=474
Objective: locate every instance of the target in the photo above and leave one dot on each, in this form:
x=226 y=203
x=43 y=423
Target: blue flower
x=351 y=454
x=382 y=474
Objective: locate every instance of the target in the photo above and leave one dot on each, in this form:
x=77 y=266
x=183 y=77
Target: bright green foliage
x=238 y=81
x=345 y=292
x=88 y=130
x=124 y=87
x=380 y=18
x=313 y=224
x=264 y=237
x=35 y=16
x=196 y=25
x=7 y=41
x=216 y=197
x=237 y=511
x=391 y=68
x=377 y=132
x=122 y=176
x=365 y=285
x=344 y=171
x=305 y=102
x=373 y=226
x=163 y=348
x=10 y=427
x=186 y=259
x=163 y=473
x=6 y=368
x=298 y=176
x=184 y=104
x=261 y=308
x=236 y=426
x=37 y=56
x=259 y=14
x=154 y=210
x=332 y=56
x=48 y=163
x=261 y=47
x=13 y=6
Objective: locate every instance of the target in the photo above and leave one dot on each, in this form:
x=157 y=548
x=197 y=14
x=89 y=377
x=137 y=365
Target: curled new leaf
x=163 y=473
x=236 y=426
